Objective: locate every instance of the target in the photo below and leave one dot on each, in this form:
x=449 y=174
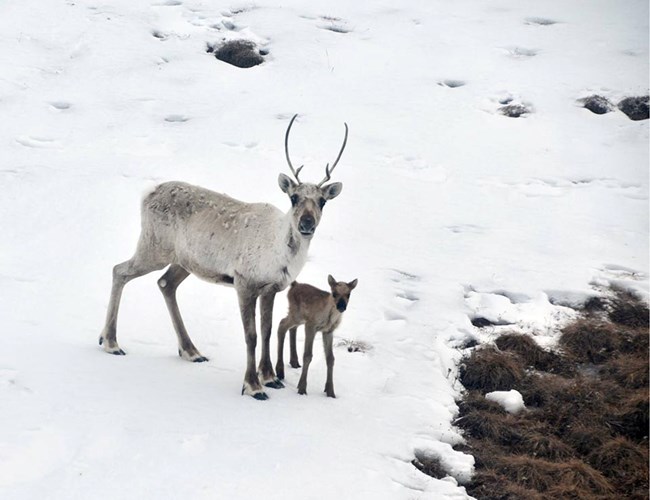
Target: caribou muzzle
x=307 y=225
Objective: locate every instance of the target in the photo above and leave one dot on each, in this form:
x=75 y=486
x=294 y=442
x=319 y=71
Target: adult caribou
x=252 y=246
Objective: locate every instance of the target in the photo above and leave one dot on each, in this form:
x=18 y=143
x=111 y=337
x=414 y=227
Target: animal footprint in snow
x=334 y=24
x=176 y=118
x=539 y=21
x=520 y=52
x=167 y=3
x=60 y=105
x=37 y=142
x=452 y=84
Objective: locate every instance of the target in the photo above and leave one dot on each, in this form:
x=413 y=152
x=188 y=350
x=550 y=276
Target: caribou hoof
x=201 y=359
x=275 y=384
x=294 y=364
x=259 y=395
x=118 y=352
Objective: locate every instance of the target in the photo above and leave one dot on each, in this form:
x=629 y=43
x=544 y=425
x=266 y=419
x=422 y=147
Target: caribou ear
x=352 y=285
x=332 y=190
x=285 y=183
x=331 y=281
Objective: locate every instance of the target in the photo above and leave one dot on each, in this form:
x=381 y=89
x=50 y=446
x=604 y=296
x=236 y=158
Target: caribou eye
x=294 y=200
x=321 y=203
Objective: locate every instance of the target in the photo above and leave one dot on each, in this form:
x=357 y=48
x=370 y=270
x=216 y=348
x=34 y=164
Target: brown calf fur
x=319 y=311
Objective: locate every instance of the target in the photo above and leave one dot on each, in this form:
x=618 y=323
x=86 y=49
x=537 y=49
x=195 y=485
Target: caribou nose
x=341 y=305
x=307 y=224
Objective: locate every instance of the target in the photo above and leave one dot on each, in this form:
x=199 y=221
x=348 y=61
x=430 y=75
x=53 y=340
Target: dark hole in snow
x=514 y=110
x=240 y=53
x=479 y=322
x=636 y=108
x=597 y=104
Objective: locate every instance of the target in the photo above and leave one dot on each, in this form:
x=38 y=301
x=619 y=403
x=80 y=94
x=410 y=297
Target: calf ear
x=352 y=285
x=331 y=281
x=285 y=183
x=332 y=190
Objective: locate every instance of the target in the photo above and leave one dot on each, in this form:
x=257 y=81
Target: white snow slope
x=449 y=210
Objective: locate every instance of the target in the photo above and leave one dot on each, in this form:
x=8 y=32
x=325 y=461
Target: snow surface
x=511 y=401
x=449 y=210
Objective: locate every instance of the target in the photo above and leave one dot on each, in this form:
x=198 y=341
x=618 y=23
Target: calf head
x=341 y=292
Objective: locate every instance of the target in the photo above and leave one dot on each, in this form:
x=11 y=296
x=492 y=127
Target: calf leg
x=265 y=369
x=168 y=284
x=247 y=301
x=328 y=338
x=282 y=332
x=122 y=274
x=293 y=359
x=310 y=333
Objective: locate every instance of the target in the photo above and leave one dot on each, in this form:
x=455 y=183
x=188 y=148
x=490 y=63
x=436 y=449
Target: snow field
x=449 y=211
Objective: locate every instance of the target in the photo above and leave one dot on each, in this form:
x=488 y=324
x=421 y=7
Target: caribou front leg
x=265 y=370
x=247 y=302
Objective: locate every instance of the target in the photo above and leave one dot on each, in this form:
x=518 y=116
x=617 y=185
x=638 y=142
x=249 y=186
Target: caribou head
x=308 y=200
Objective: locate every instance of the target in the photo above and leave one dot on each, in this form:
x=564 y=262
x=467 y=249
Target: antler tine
x=328 y=170
x=295 y=173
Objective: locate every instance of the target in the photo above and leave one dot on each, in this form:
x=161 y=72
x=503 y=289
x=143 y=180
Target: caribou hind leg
x=168 y=284
x=122 y=274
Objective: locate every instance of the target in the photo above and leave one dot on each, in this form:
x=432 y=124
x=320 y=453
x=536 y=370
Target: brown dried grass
x=623 y=462
x=584 y=434
x=533 y=355
x=629 y=371
x=590 y=341
x=491 y=370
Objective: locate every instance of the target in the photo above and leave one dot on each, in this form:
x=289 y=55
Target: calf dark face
x=341 y=292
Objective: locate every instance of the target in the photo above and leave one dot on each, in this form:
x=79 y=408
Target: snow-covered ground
x=449 y=210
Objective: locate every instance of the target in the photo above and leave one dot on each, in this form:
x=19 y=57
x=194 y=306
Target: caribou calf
x=319 y=311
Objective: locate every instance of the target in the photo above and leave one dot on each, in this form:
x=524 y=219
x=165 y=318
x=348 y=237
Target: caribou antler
x=286 y=151
x=328 y=170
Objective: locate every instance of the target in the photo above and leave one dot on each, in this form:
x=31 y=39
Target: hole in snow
x=240 y=53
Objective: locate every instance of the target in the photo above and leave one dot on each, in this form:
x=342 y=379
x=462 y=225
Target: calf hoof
x=275 y=384
x=294 y=364
x=330 y=394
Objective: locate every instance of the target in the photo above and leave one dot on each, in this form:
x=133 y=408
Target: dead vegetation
x=584 y=433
